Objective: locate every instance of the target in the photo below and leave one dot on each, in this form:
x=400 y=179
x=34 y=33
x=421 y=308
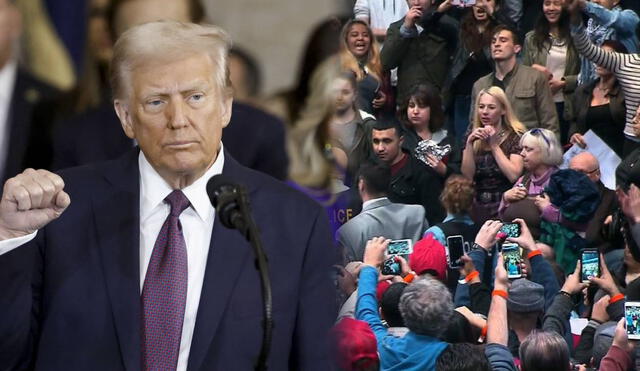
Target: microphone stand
x=249 y=230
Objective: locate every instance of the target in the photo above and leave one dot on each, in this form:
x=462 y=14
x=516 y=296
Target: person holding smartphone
x=540 y=270
x=541 y=153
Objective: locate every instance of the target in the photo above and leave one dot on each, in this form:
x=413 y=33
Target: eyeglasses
x=537 y=131
x=586 y=172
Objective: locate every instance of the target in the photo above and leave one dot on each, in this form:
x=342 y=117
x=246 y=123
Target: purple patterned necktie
x=164 y=293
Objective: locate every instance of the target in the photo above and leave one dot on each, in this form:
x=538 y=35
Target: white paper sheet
x=578 y=324
x=608 y=159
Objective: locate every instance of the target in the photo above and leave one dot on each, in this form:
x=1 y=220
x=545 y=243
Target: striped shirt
x=626 y=68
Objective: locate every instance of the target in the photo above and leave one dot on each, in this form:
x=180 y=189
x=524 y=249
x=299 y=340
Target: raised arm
x=610 y=60
x=623 y=21
x=397 y=43
x=497 y=327
x=510 y=165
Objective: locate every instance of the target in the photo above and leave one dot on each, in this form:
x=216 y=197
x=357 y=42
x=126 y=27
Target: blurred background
x=273 y=33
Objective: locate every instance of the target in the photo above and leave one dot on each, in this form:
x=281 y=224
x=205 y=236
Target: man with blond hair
x=125 y=265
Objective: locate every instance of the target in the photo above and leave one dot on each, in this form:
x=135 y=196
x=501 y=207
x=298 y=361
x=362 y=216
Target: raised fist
x=30 y=201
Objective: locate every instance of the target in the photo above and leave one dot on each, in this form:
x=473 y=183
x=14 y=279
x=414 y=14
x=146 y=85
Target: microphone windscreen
x=216 y=185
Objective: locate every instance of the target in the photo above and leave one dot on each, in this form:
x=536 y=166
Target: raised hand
x=605 y=281
x=486 y=237
x=375 y=251
x=30 y=201
x=630 y=203
x=413 y=16
x=525 y=240
x=573 y=284
x=579 y=140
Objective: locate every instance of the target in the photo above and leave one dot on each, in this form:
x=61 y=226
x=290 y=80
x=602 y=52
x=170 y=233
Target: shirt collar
x=7 y=79
x=507 y=77
x=154 y=189
x=369 y=202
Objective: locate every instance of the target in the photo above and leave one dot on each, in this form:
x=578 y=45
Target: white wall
x=274 y=31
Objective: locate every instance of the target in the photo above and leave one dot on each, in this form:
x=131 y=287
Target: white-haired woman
x=542 y=154
x=491 y=156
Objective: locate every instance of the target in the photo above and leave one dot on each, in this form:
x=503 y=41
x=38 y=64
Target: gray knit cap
x=525 y=296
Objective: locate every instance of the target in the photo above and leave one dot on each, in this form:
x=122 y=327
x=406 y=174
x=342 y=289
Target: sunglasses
x=539 y=132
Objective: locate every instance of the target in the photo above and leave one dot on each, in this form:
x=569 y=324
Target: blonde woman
x=491 y=156
x=312 y=165
x=359 y=53
x=542 y=154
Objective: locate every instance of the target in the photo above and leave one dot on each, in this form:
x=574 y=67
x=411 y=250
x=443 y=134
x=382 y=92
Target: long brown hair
x=471 y=38
x=372 y=60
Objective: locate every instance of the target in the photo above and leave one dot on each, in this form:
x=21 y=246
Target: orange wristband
x=534 y=253
x=483 y=333
x=616 y=298
x=409 y=278
x=471 y=276
x=500 y=293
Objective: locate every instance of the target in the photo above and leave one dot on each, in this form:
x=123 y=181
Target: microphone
x=227 y=198
x=232 y=207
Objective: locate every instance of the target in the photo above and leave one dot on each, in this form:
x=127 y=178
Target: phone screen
x=400 y=247
x=512 y=258
x=590 y=262
x=455 y=245
x=391 y=267
x=511 y=229
x=632 y=318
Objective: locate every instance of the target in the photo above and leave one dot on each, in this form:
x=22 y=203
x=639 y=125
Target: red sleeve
x=616 y=360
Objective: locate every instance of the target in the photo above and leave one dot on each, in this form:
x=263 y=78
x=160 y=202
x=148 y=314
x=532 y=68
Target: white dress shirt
x=197 y=225
x=7 y=83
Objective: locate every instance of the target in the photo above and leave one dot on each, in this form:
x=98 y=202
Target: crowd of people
x=461 y=150
x=436 y=125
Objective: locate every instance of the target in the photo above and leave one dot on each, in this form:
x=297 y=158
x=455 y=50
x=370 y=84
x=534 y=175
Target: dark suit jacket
x=254 y=137
x=78 y=307
x=29 y=124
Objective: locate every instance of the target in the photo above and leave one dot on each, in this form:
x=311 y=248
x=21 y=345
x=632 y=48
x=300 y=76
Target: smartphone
x=590 y=262
x=632 y=319
x=455 y=250
x=511 y=229
x=391 y=267
x=512 y=256
x=400 y=247
x=463 y=3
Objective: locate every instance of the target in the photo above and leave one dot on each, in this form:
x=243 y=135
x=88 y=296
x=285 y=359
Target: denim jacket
x=620 y=25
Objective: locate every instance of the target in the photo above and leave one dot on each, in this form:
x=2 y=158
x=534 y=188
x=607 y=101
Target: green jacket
x=531 y=55
x=529 y=94
x=423 y=58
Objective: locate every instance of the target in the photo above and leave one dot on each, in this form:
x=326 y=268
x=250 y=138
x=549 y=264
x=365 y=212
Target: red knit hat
x=381 y=288
x=353 y=340
x=429 y=254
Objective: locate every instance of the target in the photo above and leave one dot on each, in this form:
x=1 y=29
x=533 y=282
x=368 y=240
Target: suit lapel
x=228 y=255
x=117 y=214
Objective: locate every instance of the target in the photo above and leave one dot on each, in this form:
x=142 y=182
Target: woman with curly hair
x=491 y=156
x=359 y=52
x=457 y=198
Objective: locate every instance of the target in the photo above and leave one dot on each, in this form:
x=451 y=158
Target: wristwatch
x=476 y=246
